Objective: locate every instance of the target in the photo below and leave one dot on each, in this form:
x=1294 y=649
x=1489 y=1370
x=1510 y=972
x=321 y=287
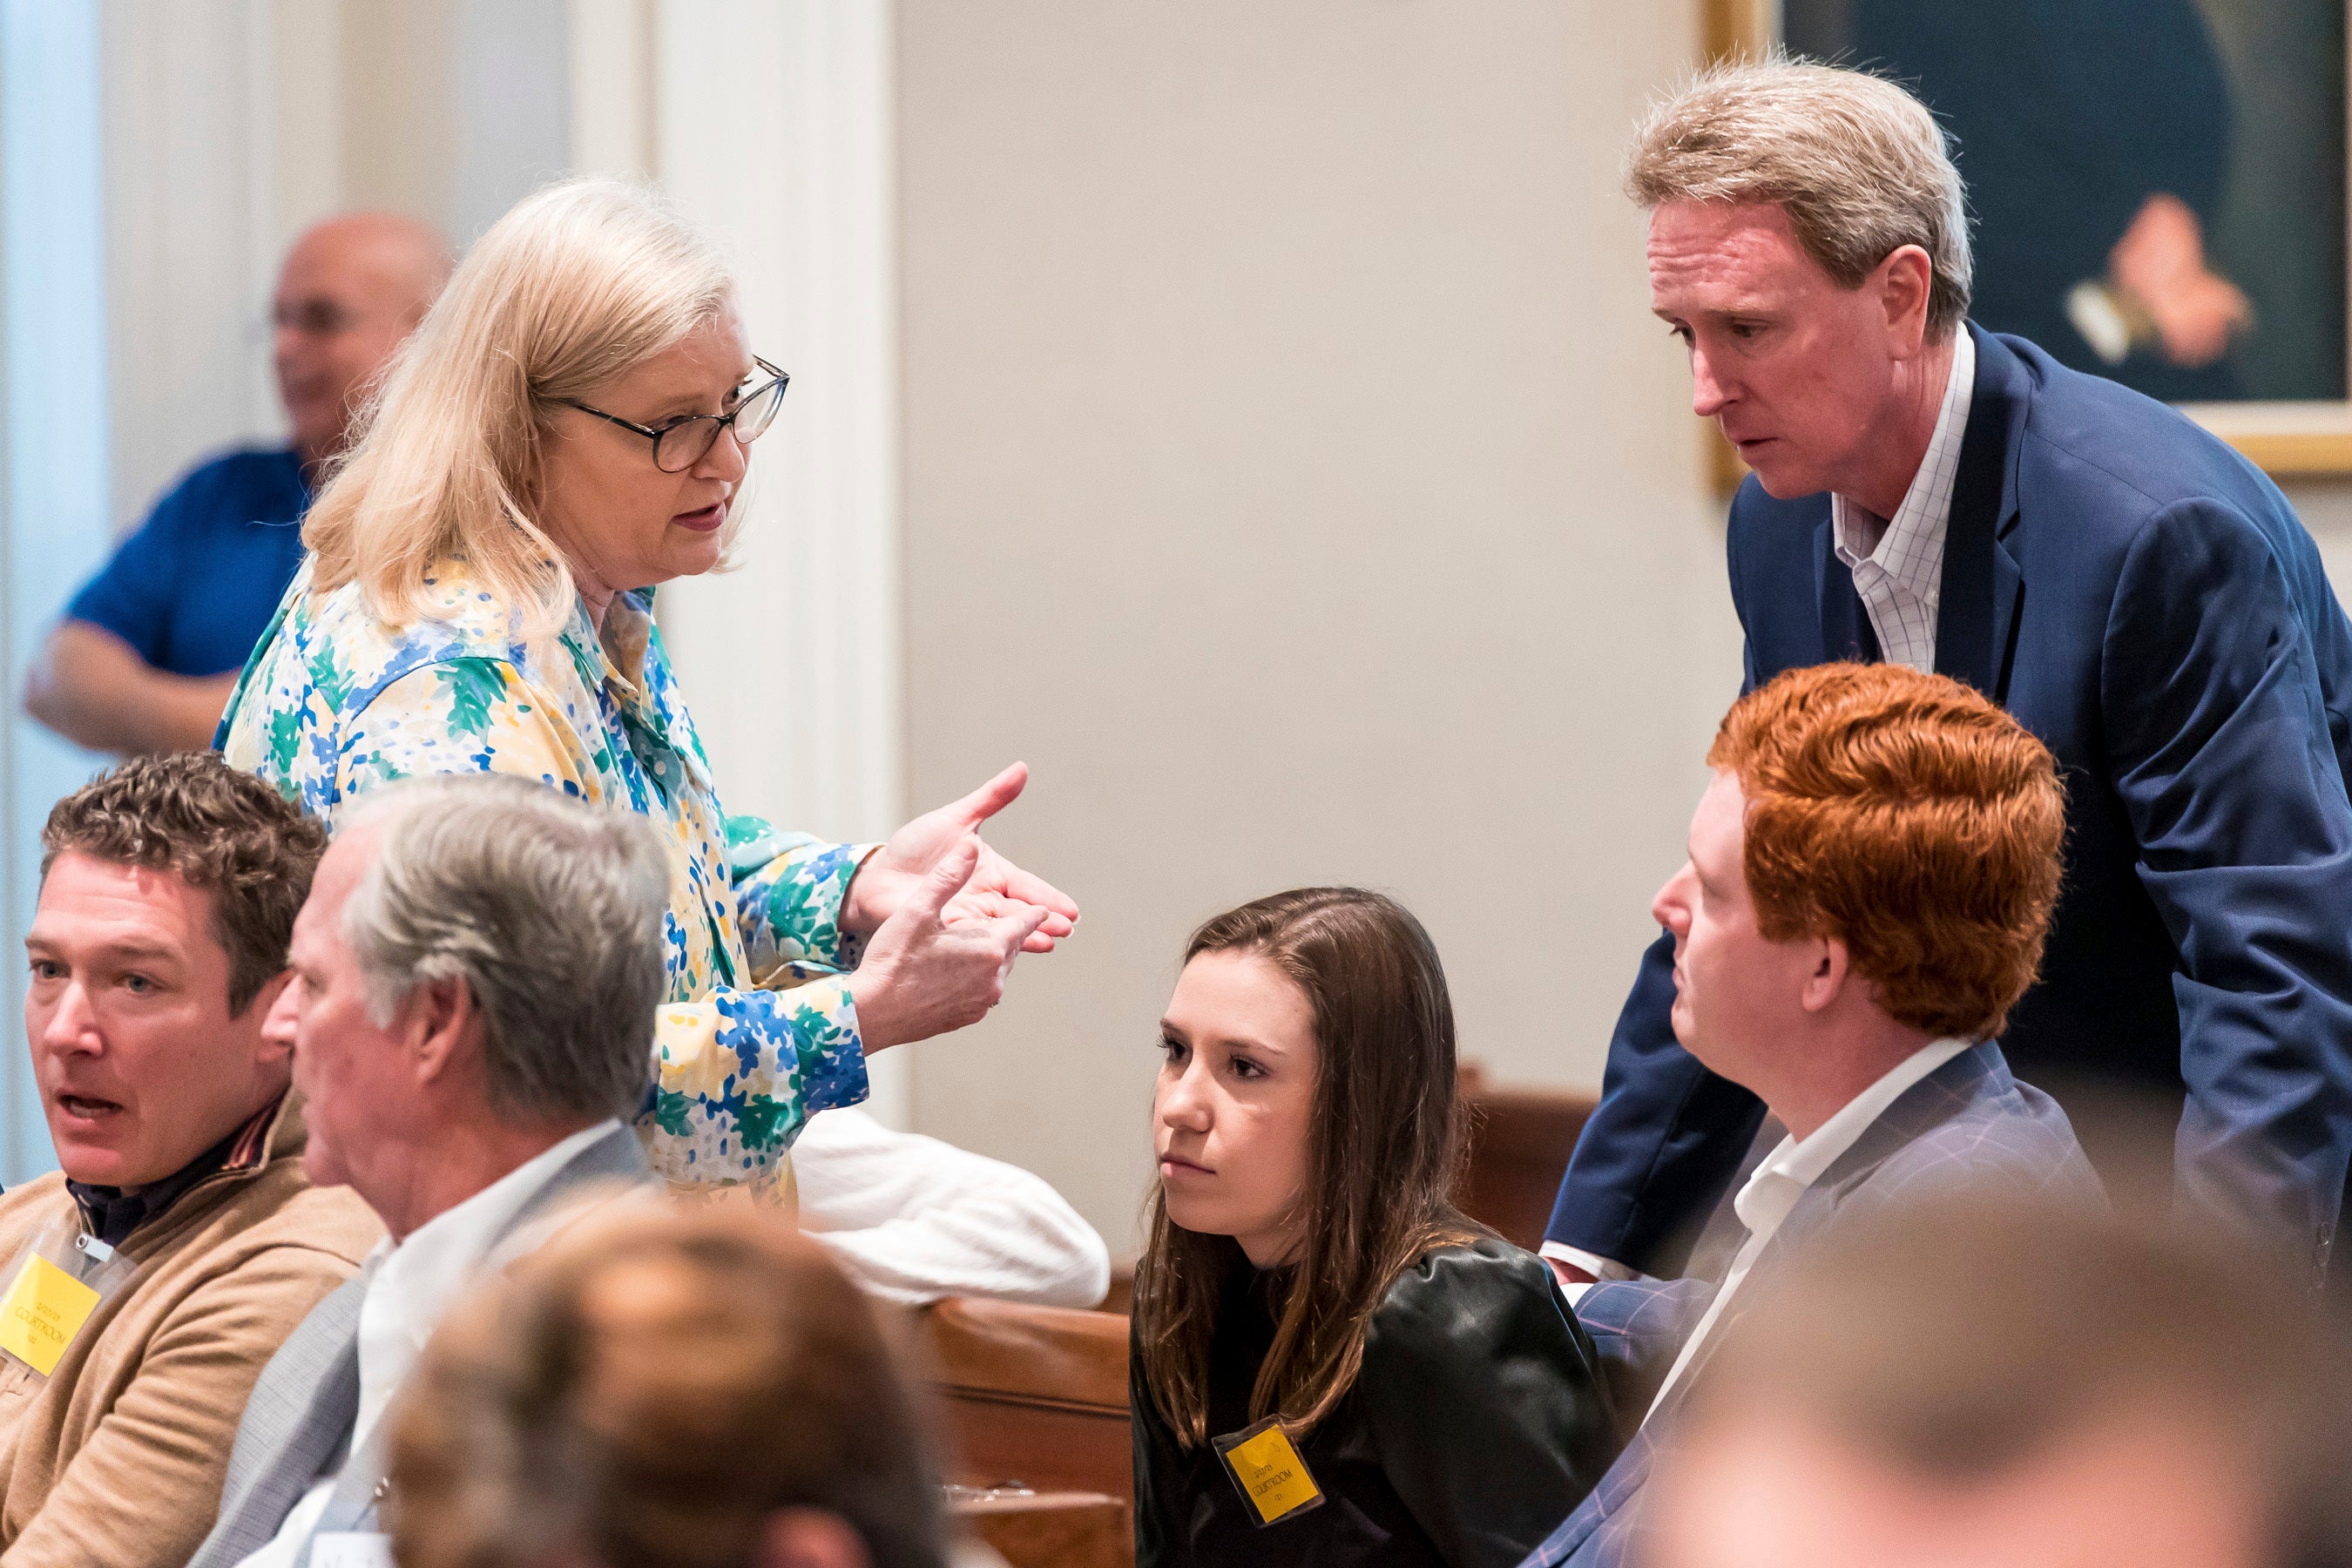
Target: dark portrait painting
x=2157 y=185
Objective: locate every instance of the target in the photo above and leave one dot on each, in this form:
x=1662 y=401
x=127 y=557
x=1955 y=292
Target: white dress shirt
x=913 y=1219
x=1791 y=1169
x=413 y=1285
x=1898 y=563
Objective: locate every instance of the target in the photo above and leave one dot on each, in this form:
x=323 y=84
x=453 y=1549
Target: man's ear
x=1827 y=981
x=265 y=1001
x=808 y=1538
x=1907 y=279
x=442 y=1024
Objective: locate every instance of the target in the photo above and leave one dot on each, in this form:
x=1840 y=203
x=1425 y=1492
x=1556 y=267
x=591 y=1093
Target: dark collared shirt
x=114 y=1213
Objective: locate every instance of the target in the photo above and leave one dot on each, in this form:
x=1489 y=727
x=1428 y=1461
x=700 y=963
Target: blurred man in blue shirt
x=148 y=651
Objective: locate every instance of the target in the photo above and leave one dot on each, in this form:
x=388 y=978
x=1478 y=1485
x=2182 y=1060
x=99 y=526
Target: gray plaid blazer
x=298 y=1425
x=1966 y=1123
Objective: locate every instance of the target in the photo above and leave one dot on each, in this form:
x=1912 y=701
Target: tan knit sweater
x=116 y=1459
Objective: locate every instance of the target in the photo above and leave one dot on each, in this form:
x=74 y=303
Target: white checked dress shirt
x=1791 y=1169
x=1898 y=563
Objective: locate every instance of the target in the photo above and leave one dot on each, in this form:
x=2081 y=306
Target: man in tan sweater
x=180 y=1243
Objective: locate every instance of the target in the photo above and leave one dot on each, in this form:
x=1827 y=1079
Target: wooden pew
x=1051 y=1529
x=1037 y=1396
x=1519 y=1142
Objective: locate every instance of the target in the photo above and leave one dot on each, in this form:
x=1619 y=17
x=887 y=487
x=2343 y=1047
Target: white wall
x=232 y=125
x=1294 y=478
x=2326 y=508
x=53 y=446
x=780 y=146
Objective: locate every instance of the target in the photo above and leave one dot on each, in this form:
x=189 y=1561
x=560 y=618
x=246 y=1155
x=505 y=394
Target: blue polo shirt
x=193 y=589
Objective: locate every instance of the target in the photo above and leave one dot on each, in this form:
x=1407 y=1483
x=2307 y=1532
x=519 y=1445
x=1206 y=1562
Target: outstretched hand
x=997 y=887
x=924 y=975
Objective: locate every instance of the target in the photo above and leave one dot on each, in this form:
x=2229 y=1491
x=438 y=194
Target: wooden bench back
x=1520 y=1139
x=1035 y=1394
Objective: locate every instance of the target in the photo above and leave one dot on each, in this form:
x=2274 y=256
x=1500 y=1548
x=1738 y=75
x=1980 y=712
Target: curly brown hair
x=1911 y=818
x=223 y=831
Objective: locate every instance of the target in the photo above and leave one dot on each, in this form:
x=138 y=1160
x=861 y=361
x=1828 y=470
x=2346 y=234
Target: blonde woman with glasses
x=571 y=427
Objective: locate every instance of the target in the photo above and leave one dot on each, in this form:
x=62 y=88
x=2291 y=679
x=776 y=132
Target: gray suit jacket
x=1967 y=1124
x=298 y=1425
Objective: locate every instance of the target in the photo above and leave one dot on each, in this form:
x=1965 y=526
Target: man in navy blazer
x=1870 y=879
x=2135 y=593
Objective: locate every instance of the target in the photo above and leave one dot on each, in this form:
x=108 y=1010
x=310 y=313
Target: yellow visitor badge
x=44 y=1309
x=53 y=1287
x=1265 y=1465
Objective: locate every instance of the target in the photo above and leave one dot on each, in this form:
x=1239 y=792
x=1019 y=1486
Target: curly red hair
x=1911 y=818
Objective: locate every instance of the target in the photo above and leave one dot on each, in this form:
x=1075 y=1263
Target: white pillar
x=192 y=237
x=53 y=446
x=770 y=122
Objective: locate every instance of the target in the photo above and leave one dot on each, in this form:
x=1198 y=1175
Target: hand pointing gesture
x=923 y=974
x=996 y=889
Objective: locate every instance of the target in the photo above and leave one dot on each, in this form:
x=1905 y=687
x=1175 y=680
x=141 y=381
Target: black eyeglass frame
x=780 y=382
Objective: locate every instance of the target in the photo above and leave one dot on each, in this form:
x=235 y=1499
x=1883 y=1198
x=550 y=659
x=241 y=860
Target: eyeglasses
x=682 y=442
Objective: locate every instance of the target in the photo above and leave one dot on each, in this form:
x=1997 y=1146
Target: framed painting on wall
x=2157 y=187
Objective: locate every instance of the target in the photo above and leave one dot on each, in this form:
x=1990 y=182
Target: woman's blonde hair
x=580 y=282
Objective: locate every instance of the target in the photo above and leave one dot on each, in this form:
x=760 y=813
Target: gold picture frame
x=2285 y=440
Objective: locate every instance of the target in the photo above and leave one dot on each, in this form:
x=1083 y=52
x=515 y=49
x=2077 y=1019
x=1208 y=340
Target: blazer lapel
x=1975 y=624
x=1846 y=631
x=616 y=1157
x=297 y=1425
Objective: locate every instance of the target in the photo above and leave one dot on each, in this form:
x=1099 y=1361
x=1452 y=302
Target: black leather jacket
x=1476 y=1427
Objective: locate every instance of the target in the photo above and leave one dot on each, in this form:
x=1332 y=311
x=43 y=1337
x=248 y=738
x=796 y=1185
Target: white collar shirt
x=1898 y=563
x=1790 y=1171
x=413 y=1286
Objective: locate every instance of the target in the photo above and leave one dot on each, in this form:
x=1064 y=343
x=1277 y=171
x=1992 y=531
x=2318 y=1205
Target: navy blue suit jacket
x=1968 y=1124
x=2146 y=601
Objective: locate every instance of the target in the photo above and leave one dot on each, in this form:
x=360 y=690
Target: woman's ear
x=809 y=1538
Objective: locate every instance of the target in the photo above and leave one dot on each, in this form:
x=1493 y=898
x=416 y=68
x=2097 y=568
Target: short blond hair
x=580 y=282
x=1860 y=166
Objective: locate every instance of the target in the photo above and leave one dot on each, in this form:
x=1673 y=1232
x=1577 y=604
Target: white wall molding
x=53 y=443
x=770 y=121
x=192 y=233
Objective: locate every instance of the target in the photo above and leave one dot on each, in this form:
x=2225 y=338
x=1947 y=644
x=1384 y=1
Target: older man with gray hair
x=2138 y=595
x=475 y=976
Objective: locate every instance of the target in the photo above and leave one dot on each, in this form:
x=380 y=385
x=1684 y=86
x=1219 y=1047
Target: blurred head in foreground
x=664 y=1388
x=1992 y=1384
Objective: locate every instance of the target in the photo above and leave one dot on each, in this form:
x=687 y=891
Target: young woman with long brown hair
x=1331 y=1364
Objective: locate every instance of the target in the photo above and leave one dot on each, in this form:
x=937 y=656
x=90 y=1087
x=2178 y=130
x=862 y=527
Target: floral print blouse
x=759 y=1032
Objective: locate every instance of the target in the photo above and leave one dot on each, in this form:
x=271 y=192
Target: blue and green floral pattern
x=759 y=1032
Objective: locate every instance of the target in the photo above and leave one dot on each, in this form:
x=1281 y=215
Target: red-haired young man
x=1870 y=882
